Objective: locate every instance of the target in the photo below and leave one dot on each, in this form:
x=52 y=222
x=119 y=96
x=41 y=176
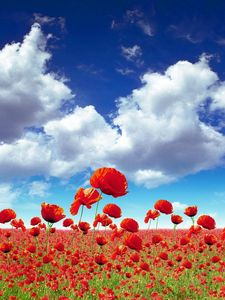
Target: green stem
x=48 y=232
x=193 y=220
x=157 y=222
x=93 y=234
x=81 y=214
x=149 y=224
x=174 y=233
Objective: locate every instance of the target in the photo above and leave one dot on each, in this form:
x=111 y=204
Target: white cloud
x=80 y=140
x=7 y=195
x=137 y=18
x=124 y=71
x=43 y=19
x=162 y=138
x=155 y=137
x=39 y=189
x=145 y=26
x=28 y=156
x=131 y=53
x=178 y=206
x=29 y=95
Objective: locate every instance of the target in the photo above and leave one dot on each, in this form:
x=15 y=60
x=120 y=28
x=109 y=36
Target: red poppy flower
x=84 y=226
x=100 y=259
x=109 y=181
x=34 y=231
x=135 y=257
x=52 y=213
x=112 y=210
x=31 y=248
x=144 y=266
x=191 y=211
x=59 y=246
x=129 y=225
x=85 y=197
x=6 y=215
x=163 y=255
x=35 y=221
x=67 y=222
x=184 y=240
x=206 y=222
x=103 y=219
x=187 y=264
x=101 y=240
x=194 y=230
x=157 y=238
x=210 y=239
x=151 y=214
x=164 y=206
x=47 y=258
x=18 y=224
x=215 y=259
x=6 y=247
x=176 y=219
x=134 y=242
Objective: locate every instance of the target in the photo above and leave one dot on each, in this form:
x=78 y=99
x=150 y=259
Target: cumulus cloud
x=156 y=135
x=162 y=137
x=88 y=140
x=29 y=95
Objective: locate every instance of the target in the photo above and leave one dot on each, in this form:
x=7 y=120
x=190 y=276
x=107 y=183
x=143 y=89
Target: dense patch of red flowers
x=118 y=262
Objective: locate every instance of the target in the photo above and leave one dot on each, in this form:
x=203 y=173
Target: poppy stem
x=174 y=233
x=149 y=224
x=93 y=234
x=157 y=223
x=48 y=232
x=193 y=220
x=81 y=214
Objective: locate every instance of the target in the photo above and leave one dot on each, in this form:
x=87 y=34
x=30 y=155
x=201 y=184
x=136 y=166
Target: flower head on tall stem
x=110 y=181
x=85 y=197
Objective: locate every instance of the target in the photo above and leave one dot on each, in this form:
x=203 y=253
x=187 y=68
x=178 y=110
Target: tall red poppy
x=112 y=210
x=129 y=225
x=52 y=213
x=84 y=226
x=35 y=221
x=85 y=197
x=151 y=214
x=191 y=211
x=110 y=181
x=18 y=224
x=6 y=215
x=164 y=206
x=176 y=219
x=103 y=219
x=206 y=222
x=67 y=222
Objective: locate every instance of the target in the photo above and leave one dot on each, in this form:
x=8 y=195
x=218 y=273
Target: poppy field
x=106 y=261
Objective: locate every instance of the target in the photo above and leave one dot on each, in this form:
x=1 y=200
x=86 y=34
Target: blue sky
x=136 y=85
